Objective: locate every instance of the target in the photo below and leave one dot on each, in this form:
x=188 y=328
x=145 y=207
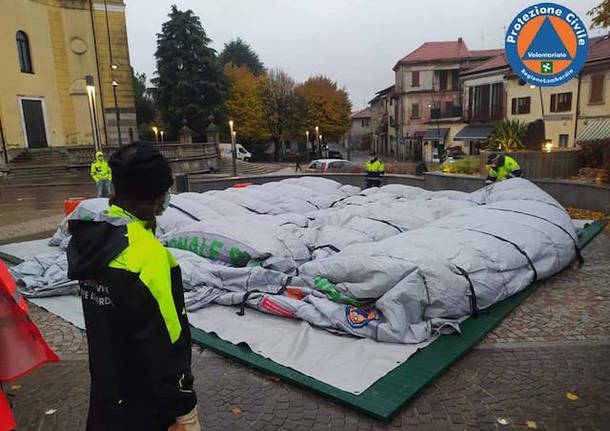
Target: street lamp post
x=116 y=110
x=156 y=130
x=92 y=111
x=233 y=149
x=307 y=144
x=162 y=135
x=320 y=145
x=113 y=66
x=317 y=140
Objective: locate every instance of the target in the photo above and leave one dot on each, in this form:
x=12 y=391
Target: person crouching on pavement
x=102 y=175
x=374 y=171
x=133 y=304
x=501 y=167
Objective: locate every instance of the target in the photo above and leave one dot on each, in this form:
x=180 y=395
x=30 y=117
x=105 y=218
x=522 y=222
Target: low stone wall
x=189 y=158
x=568 y=193
x=563 y=163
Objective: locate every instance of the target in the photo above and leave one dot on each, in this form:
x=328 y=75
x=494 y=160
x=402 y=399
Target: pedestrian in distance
x=374 y=172
x=102 y=175
x=133 y=304
x=501 y=167
x=297 y=165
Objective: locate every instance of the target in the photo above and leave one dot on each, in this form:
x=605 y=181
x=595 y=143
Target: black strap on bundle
x=519 y=249
x=242 y=305
x=332 y=247
x=244 y=300
x=185 y=212
x=579 y=257
x=388 y=223
x=474 y=309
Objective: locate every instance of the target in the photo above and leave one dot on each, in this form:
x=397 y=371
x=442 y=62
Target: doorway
x=34 y=125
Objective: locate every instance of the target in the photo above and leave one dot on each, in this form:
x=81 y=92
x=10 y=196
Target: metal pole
x=116 y=105
x=233 y=149
x=234 y=153
x=118 y=114
x=4 y=150
x=99 y=75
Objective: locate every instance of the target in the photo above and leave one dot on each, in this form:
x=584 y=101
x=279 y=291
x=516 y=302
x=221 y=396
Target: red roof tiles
x=449 y=50
x=497 y=62
x=365 y=113
x=599 y=48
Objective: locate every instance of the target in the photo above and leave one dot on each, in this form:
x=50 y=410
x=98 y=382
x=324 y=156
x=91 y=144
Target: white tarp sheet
x=331 y=359
x=397 y=264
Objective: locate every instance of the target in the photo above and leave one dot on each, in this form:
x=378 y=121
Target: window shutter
x=597 y=89
x=553 y=103
x=513 y=108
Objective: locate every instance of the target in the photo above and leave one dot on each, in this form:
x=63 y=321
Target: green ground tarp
x=389 y=394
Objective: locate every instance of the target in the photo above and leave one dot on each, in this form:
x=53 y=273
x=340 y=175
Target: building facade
x=429 y=97
x=492 y=92
x=383 y=120
x=49 y=47
x=360 y=135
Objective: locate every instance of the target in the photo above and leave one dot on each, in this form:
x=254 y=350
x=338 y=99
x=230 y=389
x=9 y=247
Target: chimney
x=460 y=40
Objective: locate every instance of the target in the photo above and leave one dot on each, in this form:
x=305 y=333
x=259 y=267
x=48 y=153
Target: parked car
x=242 y=153
x=324 y=165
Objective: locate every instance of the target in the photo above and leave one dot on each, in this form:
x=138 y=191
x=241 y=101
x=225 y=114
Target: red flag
x=7 y=421
x=22 y=348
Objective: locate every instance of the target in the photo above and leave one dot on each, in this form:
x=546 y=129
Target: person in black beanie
x=133 y=303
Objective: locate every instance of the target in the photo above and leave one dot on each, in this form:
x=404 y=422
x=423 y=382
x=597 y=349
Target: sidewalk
x=555 y=344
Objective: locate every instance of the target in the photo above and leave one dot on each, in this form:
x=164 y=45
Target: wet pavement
x=545 y=367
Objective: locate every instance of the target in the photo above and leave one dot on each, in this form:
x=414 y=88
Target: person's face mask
x=166 y=202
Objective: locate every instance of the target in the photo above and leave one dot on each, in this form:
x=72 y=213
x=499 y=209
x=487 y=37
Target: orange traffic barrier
x=241 y=185
x=70 y=205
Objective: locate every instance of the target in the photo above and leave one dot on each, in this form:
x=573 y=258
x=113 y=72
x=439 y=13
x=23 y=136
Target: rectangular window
x=597 y=89
x=442 y=78
x=415 y=110
x=520 y=105
x=561 y=102
x=415 y=78
x=563 y=141
x=455 y=80
x=449 y=108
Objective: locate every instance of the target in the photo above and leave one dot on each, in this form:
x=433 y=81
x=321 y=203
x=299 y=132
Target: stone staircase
x=39 y=166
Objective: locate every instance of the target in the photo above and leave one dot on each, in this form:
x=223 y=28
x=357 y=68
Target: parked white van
x=242 y=153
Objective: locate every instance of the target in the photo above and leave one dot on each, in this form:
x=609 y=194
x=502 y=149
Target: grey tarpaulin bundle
x=396 y=263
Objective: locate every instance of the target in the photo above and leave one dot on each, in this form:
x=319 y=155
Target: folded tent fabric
x=396 y=264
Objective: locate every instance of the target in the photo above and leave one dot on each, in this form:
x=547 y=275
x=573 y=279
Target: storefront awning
x=474 y=133
x=435 y=134
x=596 y=130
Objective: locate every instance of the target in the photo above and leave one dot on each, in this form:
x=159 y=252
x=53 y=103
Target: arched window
x=23 y=49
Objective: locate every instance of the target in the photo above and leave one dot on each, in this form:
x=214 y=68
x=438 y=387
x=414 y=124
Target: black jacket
x=137 y=328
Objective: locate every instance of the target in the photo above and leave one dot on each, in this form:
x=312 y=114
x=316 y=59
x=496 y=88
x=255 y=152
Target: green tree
x=145 y=104
x=508 y=135
x=244 y=106
x=189 y=82
x=328 y=107
x=601 y=15
x=280 y=107
x=239 y=53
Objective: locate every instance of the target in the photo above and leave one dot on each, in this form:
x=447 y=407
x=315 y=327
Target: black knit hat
x=140 y=172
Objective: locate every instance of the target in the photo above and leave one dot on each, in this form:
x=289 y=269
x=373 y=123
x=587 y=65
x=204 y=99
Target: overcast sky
x=354 y=42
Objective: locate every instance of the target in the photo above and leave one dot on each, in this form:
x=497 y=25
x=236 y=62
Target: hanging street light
x=156 y=130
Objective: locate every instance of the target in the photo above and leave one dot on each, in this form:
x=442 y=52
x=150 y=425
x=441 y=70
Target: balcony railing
x=454 y=112
x=495 y=113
